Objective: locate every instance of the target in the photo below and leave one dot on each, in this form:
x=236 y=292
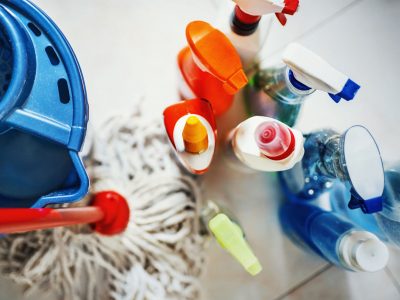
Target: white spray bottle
x=279 y=92
x=249 y=24
x=265 y=144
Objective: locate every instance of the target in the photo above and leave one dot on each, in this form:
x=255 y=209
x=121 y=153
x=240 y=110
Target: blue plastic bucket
x=43 y=111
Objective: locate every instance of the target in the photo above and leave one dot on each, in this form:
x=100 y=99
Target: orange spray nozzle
x=195 y=136
x=215 y=53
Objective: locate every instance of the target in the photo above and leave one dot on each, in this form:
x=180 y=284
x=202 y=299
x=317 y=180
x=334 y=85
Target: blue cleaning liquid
x=316 y=229
x=339 y=198
x=389 y=217
x=309 y=178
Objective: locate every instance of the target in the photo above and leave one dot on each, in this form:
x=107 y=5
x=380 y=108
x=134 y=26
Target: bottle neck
x=243 y=23
x=332 y=162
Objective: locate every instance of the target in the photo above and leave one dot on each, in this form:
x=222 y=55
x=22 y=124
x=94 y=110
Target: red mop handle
x=109 y=214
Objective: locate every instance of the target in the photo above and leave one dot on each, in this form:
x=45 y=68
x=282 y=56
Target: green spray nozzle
x=230 y=236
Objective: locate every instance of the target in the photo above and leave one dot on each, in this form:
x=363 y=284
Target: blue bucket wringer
x=43 y=111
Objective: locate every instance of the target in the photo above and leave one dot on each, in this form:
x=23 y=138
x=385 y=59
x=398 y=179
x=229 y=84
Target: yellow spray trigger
x=195 y=136
x=230 y=236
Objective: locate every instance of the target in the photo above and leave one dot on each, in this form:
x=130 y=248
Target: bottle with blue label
x=352 y=158
x=279 y=92
x=333 y=238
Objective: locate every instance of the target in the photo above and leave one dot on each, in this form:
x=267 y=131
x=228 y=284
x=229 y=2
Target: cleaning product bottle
x=339 y=197
x=191 y=129
x=230 y=236
x=352 y=158
x=333 y=238
x=389 y=218
x=249 y=23
x=210 y=67
x=279 y=92
x=265 y=144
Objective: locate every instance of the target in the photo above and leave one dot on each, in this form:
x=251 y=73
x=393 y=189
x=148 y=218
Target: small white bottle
x=266 y=144
x=249 y=23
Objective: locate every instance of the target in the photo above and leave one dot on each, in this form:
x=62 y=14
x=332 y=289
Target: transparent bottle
x=333 y=238
x=352 y=158
x=271 y=93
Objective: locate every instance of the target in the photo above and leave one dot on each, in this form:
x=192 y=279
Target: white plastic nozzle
x=310 y=71
x=362 y=251
x=274 y=139
x=264 y=7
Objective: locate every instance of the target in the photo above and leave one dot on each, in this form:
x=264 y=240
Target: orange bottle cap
x=195 y=136
x=216 y=54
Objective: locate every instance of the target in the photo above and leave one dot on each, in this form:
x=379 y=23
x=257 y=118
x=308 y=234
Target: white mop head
x=160 y=256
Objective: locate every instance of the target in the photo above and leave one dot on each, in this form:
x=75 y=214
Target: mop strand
x=159 y=256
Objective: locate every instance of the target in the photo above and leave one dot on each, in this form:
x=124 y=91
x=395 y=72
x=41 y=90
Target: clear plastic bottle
x=279 y=92
x=270 y=93
x=333 y=238
x=352 y=158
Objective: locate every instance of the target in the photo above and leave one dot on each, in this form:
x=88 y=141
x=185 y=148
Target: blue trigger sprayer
x=279 y=92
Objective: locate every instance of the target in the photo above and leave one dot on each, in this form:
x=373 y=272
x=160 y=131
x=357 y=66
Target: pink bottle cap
x=275 y=140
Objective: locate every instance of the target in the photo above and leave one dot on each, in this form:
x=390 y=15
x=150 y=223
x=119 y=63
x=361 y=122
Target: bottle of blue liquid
x=389 y=218
x=339 y=197
x=352 y=158
x=279 y=92
x=333 y=238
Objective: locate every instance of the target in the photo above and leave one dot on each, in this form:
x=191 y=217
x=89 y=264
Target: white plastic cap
x=364 y=252
x=264 y=7
x=310 y=70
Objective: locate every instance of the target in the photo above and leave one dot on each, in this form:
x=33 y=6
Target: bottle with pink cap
x=265 y=144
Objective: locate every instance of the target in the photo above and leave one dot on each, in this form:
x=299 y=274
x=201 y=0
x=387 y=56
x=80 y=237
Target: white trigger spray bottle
x=279 y=92
x=249 y=23
x=265 y=144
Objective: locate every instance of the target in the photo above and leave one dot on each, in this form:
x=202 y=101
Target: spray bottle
x=210 y=67
x=389 y=218
x=353 y=158
x=249 y=24
x=265 y=144
x=333 y=238
x=230 y=236
x=279 y=92
x=191 y=129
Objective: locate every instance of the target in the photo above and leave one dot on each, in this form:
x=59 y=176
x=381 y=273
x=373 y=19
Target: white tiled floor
x=127 y=48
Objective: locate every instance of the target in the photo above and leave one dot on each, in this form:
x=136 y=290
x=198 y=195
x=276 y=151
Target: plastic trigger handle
x=368 y=206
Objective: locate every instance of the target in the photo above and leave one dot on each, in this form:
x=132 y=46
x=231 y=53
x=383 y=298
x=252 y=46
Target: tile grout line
x=304 y=282
x=317 y=26
x=393 y=278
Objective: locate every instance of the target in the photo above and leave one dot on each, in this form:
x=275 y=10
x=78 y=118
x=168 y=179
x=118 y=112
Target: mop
x=159 y=256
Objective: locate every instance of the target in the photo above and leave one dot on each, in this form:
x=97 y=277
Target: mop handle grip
x=15 y=220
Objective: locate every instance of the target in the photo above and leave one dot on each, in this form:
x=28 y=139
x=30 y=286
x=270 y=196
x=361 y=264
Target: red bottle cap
x=275 y=140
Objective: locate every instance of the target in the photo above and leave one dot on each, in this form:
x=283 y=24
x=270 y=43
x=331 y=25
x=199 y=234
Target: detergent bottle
x=191 y=129
x=352 y=158
x=333 y=238
x=279 y=92
x=210 y=67
x=264 y=144
x=230 y=236
x=247 y=23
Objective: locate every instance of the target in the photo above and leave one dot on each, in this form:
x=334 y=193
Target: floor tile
x=337 y=284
